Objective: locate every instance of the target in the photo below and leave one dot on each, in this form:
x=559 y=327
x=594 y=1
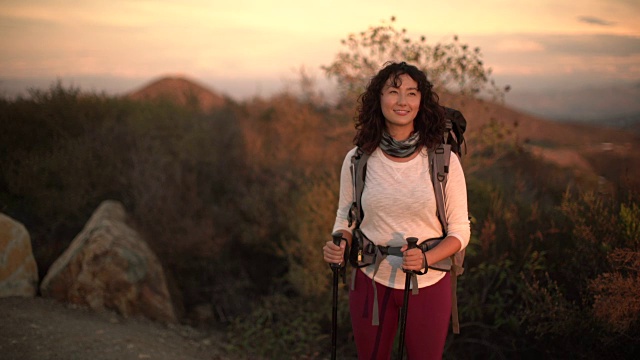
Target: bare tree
x=453 y=67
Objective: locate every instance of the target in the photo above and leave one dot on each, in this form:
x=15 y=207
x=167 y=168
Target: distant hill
x=535 y=128
x=607 y=103
x=179 y=90
x=567 y=144
x=627 y=122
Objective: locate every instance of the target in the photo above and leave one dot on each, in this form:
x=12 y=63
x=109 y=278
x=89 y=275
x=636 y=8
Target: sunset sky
x=251 y=47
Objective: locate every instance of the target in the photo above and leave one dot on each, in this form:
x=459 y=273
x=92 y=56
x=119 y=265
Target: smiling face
x=400 y=104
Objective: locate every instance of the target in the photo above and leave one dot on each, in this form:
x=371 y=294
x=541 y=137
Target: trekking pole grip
x=412 y=243
x=337 y=239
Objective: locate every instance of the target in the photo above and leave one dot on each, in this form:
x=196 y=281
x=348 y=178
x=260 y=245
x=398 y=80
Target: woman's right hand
x=334 y=254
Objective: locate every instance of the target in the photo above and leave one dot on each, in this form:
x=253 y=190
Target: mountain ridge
x=565 y=143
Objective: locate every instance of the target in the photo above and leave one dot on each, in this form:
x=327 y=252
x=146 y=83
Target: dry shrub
x=311 y=225
x=616 y=299
x=593 y=230
x=487 y=235
x=172 y=206
x=287 y=134
x=549 y=317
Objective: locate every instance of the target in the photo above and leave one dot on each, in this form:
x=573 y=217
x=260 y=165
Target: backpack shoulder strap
x=358 y=173
x=439 y=168
x=439 y=160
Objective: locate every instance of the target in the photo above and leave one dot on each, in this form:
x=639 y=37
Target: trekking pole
x=337 y=238
x=412 y=241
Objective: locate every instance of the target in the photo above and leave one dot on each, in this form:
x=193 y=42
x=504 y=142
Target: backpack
x=364 y=253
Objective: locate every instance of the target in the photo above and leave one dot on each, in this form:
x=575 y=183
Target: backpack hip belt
x=371 y=254
x=367 y=252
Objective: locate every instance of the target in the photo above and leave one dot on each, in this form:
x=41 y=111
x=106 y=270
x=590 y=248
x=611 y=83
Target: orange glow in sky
x=269 y=39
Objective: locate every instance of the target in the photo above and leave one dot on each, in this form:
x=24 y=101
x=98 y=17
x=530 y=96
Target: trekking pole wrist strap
x=425 y=265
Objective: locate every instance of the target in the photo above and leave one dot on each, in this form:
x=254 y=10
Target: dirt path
x=42 y=329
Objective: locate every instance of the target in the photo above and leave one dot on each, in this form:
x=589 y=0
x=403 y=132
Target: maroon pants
x=427 y=319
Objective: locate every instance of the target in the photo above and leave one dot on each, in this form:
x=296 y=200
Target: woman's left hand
x=412 y=259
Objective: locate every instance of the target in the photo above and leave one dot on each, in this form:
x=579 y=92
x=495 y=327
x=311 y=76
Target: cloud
x=595 y=21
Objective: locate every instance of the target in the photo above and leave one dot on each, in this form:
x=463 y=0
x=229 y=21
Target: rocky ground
x=42 y=329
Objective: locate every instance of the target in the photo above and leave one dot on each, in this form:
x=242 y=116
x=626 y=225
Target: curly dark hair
x=370 y=122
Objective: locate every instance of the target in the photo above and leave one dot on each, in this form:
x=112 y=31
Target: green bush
x=281 y=327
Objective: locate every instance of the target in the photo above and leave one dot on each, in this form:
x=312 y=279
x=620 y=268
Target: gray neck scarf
x=401 y=149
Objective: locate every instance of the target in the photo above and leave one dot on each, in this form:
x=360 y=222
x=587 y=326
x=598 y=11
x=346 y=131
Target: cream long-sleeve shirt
x=398 y=201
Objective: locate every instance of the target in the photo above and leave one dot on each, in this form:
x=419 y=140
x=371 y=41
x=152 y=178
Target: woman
x=398 y=120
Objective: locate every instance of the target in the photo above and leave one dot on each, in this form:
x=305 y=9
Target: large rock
x=18 y=269
x=108 y=266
